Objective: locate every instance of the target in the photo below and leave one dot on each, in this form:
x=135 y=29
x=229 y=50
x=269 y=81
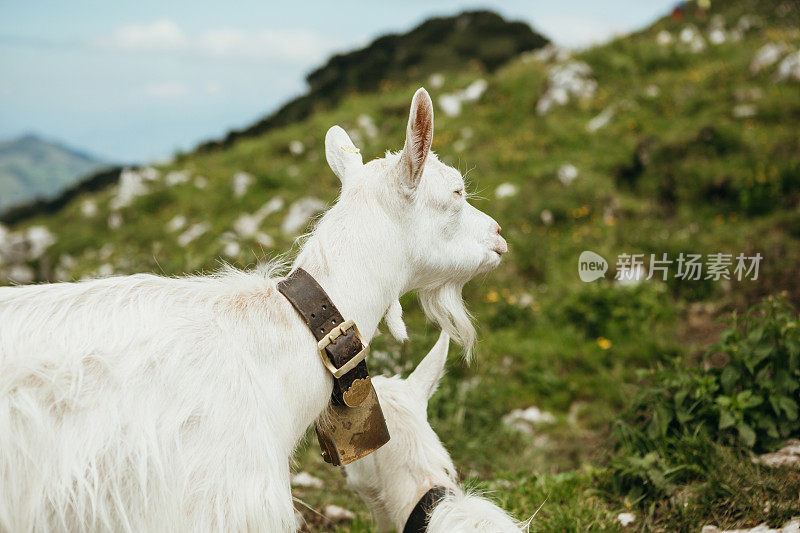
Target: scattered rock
x=505 y=190
x=337 y=514
x=201 y=182
x=547 y=217
x=368 y=126
x=548 y=53
x=573 y=78
x=114 y=221
x=132 y=183
x=601 y=120
x=296 y=148
x=626 y=519
x=789 y=68
x=38 y=239
x=451 y=103
x=527 y=420
x=767 y=55
x=652 y=91
x=306 y=480
x=240 y=182
x=436 y=80
x=177 y=177
x=299 y=214
x=191 y=234
x=21 y=274
x=178 y=222
x=786 y=457
x=664 y=38
x=567 y=173
x=744 y=110
x=88 y=208
x=691 y=36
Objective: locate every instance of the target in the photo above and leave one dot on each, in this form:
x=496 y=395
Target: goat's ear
x=419 y=137
x=342 y=155
x=425 y=378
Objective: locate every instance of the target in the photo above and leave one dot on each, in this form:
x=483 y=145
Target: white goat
x=144 y=403
x=392 y=479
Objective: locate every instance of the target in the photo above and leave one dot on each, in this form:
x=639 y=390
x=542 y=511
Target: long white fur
x=145 y=403
x=393 y=479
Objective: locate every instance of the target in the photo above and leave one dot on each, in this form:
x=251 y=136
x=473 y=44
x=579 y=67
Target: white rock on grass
x=789 y=68
x=567 y=173
x=792 y=526
x=300 y=212
x=548 y=53
x=691 y=36
x=337 y=514
x=132 y=183
x=246 y=226
x=786 y=457
x=652 y=91
x=601 y=120
x=230 y=246
x=178 y=222
x=664 y=38
x=177 y=177
x=88 y=208
x=39 y=239
x=21 y=274
x=240 y=183
x=505 y=190
x=527 y=420
x=566 y=80
x=114 y=221
x=766 y=56
x=716 y=30
x=191 y=234
x=201 y=182
x=368 y=126
x=436 y=80
x=744 y=110
x=306 y=481
x=265 y=240
x=296 y=148
x=451 y=104
x=547 y=217
x=626 y=519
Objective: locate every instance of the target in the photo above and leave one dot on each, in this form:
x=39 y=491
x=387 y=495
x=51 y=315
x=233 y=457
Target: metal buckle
x=330 y=338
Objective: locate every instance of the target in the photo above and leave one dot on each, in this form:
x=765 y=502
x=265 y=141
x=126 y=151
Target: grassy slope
x=540 y=354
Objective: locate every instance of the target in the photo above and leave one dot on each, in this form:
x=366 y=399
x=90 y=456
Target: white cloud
x=165 y=36
x=166 y=89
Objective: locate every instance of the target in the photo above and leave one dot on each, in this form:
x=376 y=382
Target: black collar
x=420 y=516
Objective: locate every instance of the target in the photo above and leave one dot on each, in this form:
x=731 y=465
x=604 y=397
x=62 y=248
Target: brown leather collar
x=354 y=425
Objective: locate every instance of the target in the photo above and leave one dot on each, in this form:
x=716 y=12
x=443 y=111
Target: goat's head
x=393 y=478
x=443 y=241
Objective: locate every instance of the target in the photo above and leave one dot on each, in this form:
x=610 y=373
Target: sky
x=135 y=81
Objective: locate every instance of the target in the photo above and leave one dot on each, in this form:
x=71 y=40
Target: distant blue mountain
x=31 y=168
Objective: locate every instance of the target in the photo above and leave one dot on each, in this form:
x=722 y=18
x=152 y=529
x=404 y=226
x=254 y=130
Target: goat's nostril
x=497 y=228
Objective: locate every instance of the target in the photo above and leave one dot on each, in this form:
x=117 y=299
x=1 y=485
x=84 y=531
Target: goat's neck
x=362 y=275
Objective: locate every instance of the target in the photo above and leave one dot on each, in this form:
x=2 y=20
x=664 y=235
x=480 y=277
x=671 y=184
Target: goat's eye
x=459 y=193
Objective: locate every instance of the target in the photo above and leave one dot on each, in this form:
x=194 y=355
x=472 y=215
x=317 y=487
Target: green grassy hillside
x=665 y=146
